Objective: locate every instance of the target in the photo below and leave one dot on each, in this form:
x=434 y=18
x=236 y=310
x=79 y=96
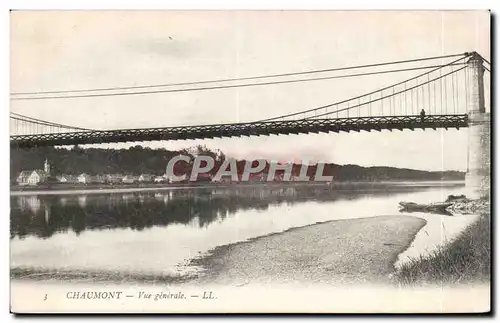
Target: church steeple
x=46 y=167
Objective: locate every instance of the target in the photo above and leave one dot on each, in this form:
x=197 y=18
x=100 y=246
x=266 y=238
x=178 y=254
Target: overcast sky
x=81 y=50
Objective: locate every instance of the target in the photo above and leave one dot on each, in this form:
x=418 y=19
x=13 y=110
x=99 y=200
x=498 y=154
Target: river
x=146 y=236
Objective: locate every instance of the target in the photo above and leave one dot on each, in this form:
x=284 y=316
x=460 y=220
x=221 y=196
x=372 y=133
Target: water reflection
x=44 y=215
x=155 y=235
x=29 y=203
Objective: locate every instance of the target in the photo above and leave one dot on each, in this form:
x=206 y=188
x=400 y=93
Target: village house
x=89 y=179
x=146 y=178
x=160 y=179
x=34 y=177
x=65 y=178
x=84 y=178
x=129 y=179
x=22 y=178
x=113 y=178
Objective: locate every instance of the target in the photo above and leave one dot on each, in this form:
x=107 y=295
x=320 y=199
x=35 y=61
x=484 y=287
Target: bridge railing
x=286 y=127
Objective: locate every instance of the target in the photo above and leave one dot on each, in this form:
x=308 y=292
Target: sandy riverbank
x=335 y=252
x=298 y=270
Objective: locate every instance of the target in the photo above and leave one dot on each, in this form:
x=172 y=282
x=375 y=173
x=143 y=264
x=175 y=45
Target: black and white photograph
x=250 y=161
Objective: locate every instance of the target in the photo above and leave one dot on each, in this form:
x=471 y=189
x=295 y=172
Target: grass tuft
x=465 y=260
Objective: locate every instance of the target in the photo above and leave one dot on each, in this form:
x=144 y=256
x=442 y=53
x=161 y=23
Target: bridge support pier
x=478 y=177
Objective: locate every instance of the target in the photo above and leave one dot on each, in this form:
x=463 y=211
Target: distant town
x=43 y=176
x=60 y=167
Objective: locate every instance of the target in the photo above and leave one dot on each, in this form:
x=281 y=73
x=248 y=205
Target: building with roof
x=129 y=179
x=146 y=178
x=66 y=178
x=84 y=178
x=34 y=177
x=113 y=178
x=160 y=179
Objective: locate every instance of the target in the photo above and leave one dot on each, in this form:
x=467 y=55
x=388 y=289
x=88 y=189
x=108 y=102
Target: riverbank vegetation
x=466 y=259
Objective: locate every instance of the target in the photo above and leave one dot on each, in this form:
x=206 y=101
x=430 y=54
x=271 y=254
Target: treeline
x=142 y=160
x=382 y=173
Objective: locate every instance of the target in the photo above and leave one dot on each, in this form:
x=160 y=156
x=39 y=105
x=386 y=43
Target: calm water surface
x=154 y=235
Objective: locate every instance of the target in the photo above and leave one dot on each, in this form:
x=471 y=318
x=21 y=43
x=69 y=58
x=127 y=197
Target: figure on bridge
x=422 y=115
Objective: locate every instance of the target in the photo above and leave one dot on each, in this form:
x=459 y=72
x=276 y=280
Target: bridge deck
x=242 y=129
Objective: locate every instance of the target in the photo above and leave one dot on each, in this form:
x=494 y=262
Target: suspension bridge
x=448 y=95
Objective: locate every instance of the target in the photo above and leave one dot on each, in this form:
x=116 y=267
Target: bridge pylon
x=478 y=175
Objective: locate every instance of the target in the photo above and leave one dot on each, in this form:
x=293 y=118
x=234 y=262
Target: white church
x=34 y=177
